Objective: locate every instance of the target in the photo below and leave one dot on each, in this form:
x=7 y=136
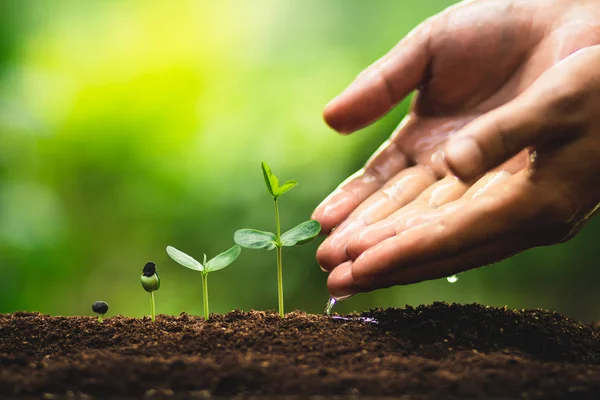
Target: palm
x=466 y=62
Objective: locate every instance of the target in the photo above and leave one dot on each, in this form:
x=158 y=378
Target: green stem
x=279 y=261
x=152 y=307
x=277 y=220
x=99 y=318
x=205 y=295
x=280 y=281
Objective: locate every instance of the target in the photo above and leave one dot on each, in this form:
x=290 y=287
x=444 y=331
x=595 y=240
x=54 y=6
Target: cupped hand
x=500 y=151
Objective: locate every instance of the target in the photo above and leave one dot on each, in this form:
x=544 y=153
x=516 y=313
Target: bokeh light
x=127 y=126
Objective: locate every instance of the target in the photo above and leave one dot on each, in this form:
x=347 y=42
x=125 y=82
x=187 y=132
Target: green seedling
x=150 y=283
x=219 y=262
x=100 y=308
x=254 y=239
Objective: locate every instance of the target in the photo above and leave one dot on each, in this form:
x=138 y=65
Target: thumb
x=381 y=86
x=555 y=104
x=493 y=139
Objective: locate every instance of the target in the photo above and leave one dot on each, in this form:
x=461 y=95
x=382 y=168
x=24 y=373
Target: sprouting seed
x=100 y=308
x=255 y=239
x=150 y=282
x=219 y=262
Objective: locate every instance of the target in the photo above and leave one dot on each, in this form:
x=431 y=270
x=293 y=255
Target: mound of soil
x=437 y=351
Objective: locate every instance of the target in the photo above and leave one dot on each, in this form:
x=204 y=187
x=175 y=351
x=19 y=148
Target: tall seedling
x=255 y=239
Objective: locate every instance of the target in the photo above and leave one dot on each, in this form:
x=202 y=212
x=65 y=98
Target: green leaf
x=286 y=186
x=181 y=258
x=224 y=259
x=303 y=233
x=270 y=180
x=253 y=239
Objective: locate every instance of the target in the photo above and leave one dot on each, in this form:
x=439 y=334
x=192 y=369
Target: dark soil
x=437 y=351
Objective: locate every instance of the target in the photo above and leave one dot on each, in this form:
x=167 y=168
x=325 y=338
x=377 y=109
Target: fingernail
x=464 y=158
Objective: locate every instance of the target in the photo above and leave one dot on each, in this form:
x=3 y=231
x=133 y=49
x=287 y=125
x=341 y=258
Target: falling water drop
x=330 y=305
x=452 y=279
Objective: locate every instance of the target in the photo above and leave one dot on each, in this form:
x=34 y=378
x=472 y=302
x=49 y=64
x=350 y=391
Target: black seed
x=100 y=307
x=149 y=269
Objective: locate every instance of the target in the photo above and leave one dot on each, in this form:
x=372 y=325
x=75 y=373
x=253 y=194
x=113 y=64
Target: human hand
x=499 y=153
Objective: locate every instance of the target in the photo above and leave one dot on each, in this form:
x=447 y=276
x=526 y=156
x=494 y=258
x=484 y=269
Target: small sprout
x=254 y=239
x=219 y=262
x=150 y=283
x=100 y=308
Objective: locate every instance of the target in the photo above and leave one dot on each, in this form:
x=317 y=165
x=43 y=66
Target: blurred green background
x=129 y=125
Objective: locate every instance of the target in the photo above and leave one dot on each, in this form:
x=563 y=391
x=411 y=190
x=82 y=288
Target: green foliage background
x=128 y=125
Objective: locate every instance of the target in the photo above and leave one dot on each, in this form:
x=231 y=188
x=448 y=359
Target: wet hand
x=498 y=154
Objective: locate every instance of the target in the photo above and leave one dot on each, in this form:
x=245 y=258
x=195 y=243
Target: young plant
x=219 y=262
x=100 y=308
x=150 y=283
x=254 y=239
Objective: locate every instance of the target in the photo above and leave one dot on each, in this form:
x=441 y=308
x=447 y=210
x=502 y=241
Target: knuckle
x=355 y=248
x=504 y=142
x=366 y=281
x=385 y=81
x=567 y=102
x=502 y=139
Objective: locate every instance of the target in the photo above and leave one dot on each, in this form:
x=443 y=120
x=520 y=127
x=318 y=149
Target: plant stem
x=279 y=261
x=99 y=318
x=277 y=224
x=152 y=307
x=280 y=281
x=205 y=295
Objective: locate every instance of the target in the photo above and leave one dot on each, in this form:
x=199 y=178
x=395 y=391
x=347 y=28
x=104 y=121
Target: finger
x=386 y=162
x=551 y=107
x=381 y=86
x=438 y=194
x=332 y=251
x=403 y=188
x=417 y=213
x=452 y=228
x=485 y=254
x=485 y=184
x=492 y=139
x=399 y=191
x=342 y=284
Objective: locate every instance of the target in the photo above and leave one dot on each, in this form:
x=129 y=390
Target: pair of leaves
x=273 y=183
x=219 y=262
x=254 y=239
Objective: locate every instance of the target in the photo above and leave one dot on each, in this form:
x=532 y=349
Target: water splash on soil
x=330 y=303
x=358 y=319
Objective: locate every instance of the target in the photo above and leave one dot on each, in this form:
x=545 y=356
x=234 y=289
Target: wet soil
x=437 y=351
